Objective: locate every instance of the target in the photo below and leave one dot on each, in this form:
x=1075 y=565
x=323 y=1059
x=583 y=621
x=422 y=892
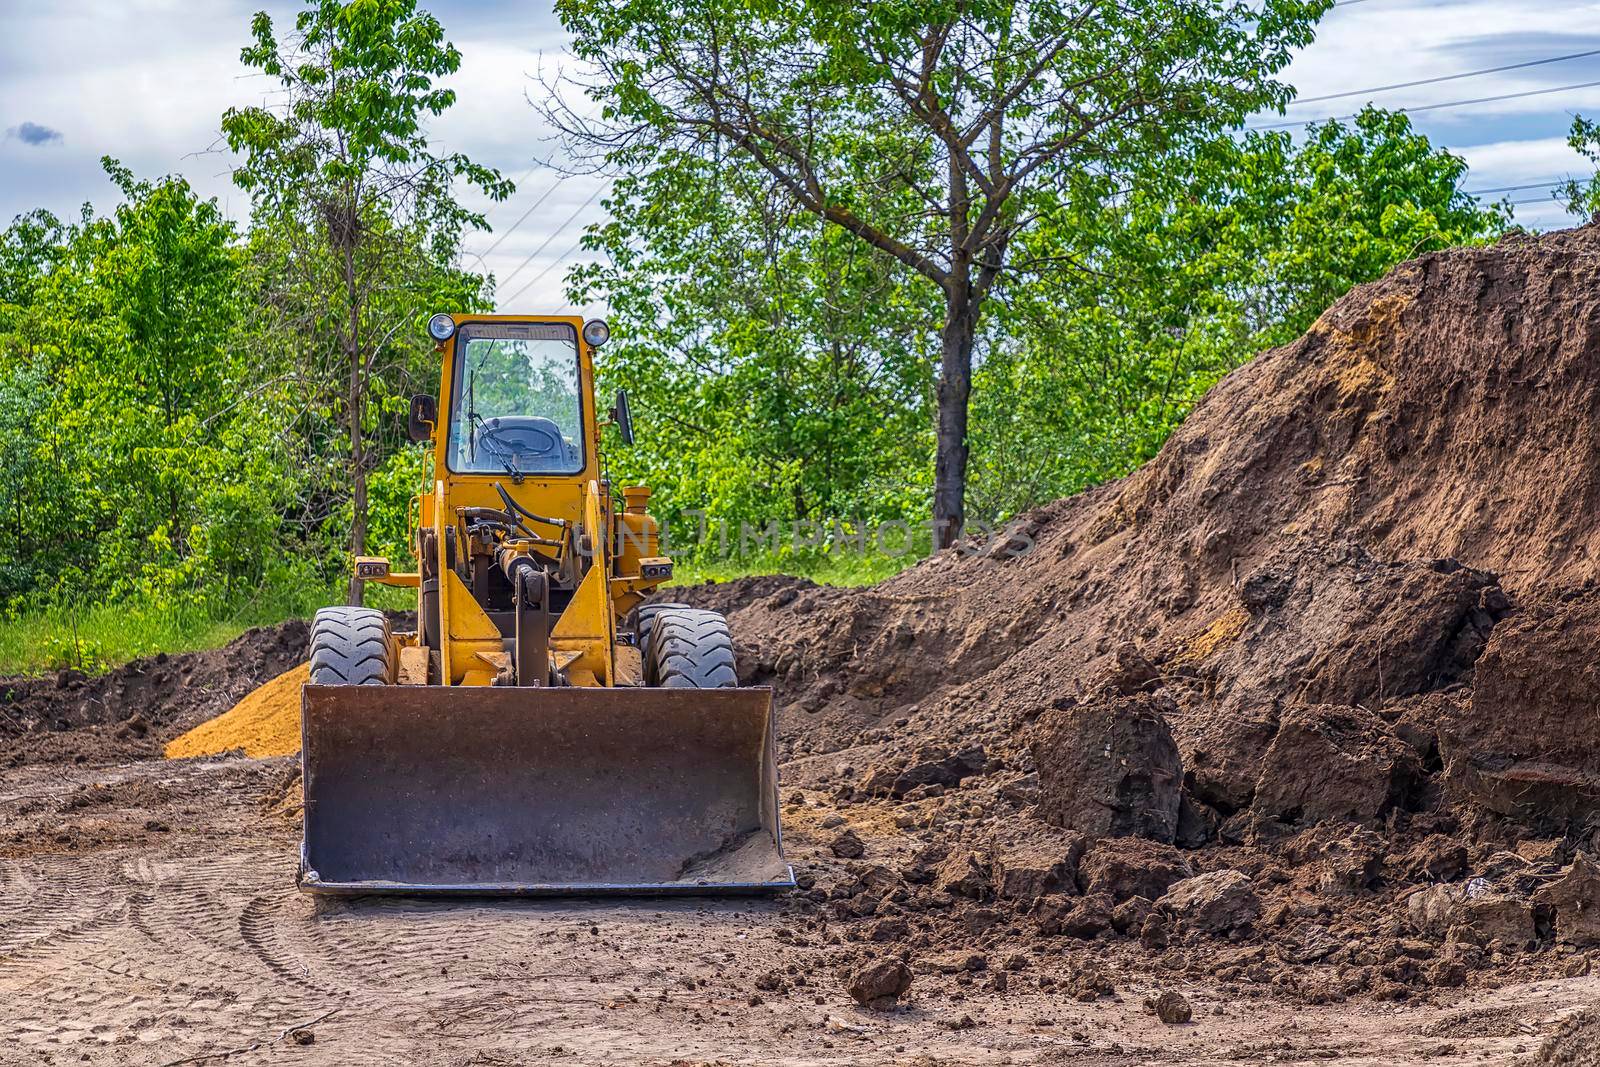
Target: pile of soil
x=264 y=724
x=1325 y=665
x=1308 y=703
x=130 y=712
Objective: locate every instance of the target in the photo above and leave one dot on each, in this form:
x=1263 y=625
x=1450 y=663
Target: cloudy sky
x=146 y=80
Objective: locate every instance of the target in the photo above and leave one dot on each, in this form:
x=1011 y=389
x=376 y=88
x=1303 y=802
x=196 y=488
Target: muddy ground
x=150 y=918
x=1295 y=731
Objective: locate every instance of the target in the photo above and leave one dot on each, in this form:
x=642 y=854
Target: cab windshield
x=516 y=403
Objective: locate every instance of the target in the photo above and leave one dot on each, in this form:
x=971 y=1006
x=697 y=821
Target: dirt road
x=148 y=917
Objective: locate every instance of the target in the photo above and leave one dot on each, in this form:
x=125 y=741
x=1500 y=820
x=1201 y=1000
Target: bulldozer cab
x=543 y=729
x=517 y=401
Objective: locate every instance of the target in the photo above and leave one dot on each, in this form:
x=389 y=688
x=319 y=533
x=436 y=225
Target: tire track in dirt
x=262 y=924
x=49 y=905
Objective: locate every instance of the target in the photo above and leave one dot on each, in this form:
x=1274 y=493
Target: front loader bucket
x=539 y=791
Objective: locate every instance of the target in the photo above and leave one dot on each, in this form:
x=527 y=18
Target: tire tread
x=350 y=646
x=688 y=648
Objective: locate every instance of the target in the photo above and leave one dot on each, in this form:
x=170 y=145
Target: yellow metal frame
x=583 y=640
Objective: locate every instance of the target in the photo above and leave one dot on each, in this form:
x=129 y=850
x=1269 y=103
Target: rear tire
x=350 y=646
x=688 y=648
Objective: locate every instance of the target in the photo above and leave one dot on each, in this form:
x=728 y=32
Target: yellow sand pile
x=265 y=723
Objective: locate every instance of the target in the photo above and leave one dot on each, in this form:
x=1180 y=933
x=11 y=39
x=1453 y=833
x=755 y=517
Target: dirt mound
x=1576 y=1042
x=1346 y=570
x=265 y=723
x=130 y=712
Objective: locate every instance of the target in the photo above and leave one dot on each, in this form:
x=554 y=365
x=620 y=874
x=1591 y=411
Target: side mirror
x=424 y=416
x=622 y=417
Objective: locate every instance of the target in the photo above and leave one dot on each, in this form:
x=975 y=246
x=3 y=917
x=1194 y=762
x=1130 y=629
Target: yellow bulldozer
x=543 y=730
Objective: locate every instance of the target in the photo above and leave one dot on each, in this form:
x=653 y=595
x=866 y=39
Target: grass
x=826 y=568
x=99 y=637
x=95 y=638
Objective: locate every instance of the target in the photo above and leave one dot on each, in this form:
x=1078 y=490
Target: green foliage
x=772 y=375
x=824 y=568
x=1582 y=198
x=936 y=135
x=357 y=222
x=95 y=636
x=177 y=435
x=358 y=77
x=1132 y=297
x=198 y=425
x=1209 y=257
x=126 y=463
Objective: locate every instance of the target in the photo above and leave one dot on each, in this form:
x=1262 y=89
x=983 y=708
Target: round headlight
x=596 y=332
x=441 y=327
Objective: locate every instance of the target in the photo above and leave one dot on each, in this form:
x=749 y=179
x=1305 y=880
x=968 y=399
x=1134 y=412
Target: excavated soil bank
x=1305 y=706
x=129 y=712
x=1332 y=649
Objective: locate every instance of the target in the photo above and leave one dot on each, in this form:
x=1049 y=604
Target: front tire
x=689 y=648
x=350 y=646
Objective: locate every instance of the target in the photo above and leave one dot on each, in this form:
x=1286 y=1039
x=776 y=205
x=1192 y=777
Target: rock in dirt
x=1153 y=933
x=1475 y=912
x=1129 y=916
x=1040 y=860
x=848 y=846
x=953 y=962
x=1213 y=903
x=1575 y=1042
x=1332 y=622
x=1222 y=749
x=1090 y=984
x=879 y=984
x=1349 y=863
x=1197 y=823
x=1524 y=746
x=1437 y=858
x=1131 y=867
x=963 y=873
x=1333 y=762
x=932 y=765
x=1171 y=1007
x=1086 y=918
x=1108 y=767
x=1575 y=896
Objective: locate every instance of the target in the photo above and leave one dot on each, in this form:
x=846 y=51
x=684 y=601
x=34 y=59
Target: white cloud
x=147 y=81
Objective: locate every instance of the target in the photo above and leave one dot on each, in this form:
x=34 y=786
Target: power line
x=1434 y=107
x=1551 y=184
x=524 y=217
x=492 y=212
x=546 y=242
x=552 y=266
x=1448 y=77
x=1537 y=200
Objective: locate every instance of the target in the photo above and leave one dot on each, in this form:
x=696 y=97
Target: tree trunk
x=358 y=478
x=354 y=406
x=954 y=388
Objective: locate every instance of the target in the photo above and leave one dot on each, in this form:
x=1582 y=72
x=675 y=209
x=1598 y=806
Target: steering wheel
x=533 y=440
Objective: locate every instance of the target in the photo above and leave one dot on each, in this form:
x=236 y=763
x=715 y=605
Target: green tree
x=927 y=130
x=122 y=429
x=342 y=172
x=776 y=371
x=1582 y=197
x=1207 y=257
